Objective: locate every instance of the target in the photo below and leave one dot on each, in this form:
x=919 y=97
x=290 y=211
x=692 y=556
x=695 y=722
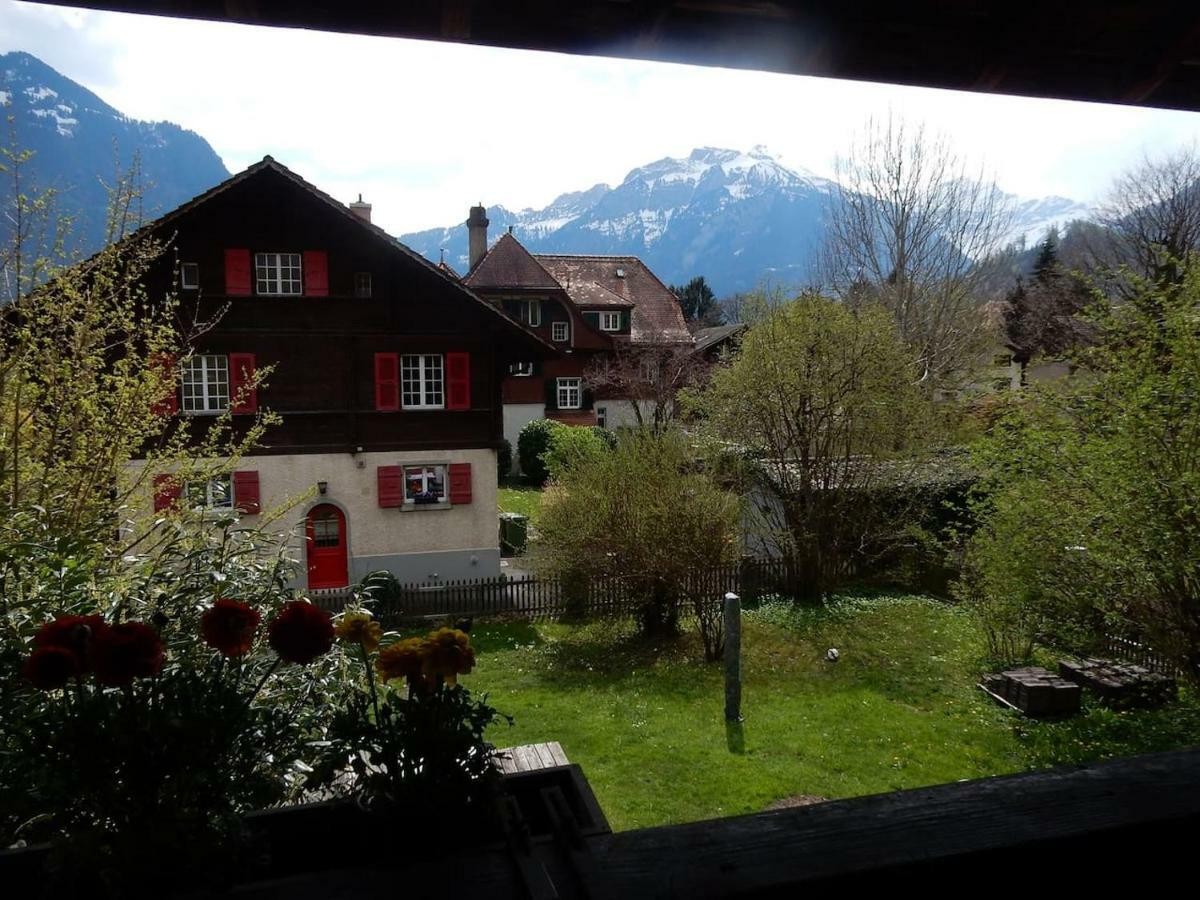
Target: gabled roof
x=709 y=338
x=268 y=164
x=657 y=317
x=509 y=265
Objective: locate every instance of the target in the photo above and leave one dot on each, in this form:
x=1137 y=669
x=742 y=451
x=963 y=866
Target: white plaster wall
x=619 y=413
x=462 y=539
x=516 y=417
x=352 y=484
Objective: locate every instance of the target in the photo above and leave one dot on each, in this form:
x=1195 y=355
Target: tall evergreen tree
x=699 y=303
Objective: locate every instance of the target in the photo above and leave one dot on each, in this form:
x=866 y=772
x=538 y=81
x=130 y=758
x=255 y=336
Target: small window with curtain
x=214 y=493
x=424 y=484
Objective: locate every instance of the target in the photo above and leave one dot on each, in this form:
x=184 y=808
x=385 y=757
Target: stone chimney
x=477 y=223
x=360 y=209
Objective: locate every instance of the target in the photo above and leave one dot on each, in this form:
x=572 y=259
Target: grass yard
x=520 y=498
x=899 y=710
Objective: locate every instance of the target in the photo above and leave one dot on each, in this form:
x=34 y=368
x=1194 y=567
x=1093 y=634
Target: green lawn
x=899 y=710
x=522 y=499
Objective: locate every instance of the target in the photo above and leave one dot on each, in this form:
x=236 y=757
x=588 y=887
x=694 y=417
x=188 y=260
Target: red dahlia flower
x=49 y=668
x=125 y=652
x=229 y=627
x=74 y=634
x=301 y=632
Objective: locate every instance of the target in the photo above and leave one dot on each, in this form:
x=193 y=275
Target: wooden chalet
x=386 y=370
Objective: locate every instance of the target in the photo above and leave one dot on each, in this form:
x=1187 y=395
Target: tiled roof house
x=583 y=304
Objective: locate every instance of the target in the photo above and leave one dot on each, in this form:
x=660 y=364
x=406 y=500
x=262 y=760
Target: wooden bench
x=530 y=757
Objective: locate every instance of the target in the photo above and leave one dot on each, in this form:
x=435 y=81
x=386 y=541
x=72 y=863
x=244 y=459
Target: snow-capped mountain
x=1031 y=219
x=79 y=141
x=736 y=218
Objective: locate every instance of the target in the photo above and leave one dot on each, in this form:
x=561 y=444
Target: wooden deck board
x=530 y=757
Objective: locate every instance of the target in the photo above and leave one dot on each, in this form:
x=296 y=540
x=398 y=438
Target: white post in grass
x=733 y=658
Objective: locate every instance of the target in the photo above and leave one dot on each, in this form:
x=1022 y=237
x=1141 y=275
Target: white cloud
x=423 y=130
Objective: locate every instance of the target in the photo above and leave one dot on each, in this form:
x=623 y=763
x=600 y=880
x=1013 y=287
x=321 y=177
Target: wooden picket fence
x=1130 y=650
x=532 y=597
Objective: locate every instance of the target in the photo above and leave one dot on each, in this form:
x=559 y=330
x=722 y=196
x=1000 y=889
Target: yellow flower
x=403 y=659
x=449 y=655
x=358 y=627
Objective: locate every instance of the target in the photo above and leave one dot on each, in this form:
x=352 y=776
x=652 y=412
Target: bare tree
x=647 y=375
x=907 y=229
x=1151 y=217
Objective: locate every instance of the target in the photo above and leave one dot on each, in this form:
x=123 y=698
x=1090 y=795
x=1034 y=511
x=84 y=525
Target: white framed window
x=215 y=493
x=189 y=276
x=278 y=273
x=422 y=385
x=560 y=331
x=570 y=394
x=530 y=312
x=601 y=416
x=521 y=369
x=204 y=383
x=425 y=484
x=610 y=321
x=362 y=284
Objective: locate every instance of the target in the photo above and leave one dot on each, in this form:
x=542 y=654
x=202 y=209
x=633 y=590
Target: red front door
x=326 y=530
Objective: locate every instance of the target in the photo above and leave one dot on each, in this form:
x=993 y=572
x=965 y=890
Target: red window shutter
x=242 y=395
x=460 y=482
x=167 y=491
x=387 y=382
x=245 y=493
x=458 y=381
x=237 y=273
x=164 y=366
x=391 y=485
x=316 y=273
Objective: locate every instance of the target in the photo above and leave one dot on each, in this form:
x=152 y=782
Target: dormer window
x=189 y=276
x=278 y=273
x=620 y=273
x=610 y=321
x=530 y=312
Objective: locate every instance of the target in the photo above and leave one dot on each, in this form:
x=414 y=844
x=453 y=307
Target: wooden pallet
x=530 y=757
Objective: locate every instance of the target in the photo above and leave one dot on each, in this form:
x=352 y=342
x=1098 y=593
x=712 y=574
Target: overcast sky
x=424 y=130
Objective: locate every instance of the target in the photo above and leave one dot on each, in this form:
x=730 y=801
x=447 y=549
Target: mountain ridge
x=736 y=217
x=78 y=140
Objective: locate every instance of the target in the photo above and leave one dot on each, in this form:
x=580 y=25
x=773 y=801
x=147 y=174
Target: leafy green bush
x=533 y=441
x=1089 y=504
x=643 y=511
x=571 y=446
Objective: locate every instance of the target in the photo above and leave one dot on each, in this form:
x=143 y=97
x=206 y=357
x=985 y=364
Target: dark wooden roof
x=1126 y=51
x=712 y=338
x=656 y=313
x=269 y=165
x=508 y=265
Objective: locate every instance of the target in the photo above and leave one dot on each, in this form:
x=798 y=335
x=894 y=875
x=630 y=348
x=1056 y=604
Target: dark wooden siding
x=322 y=348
